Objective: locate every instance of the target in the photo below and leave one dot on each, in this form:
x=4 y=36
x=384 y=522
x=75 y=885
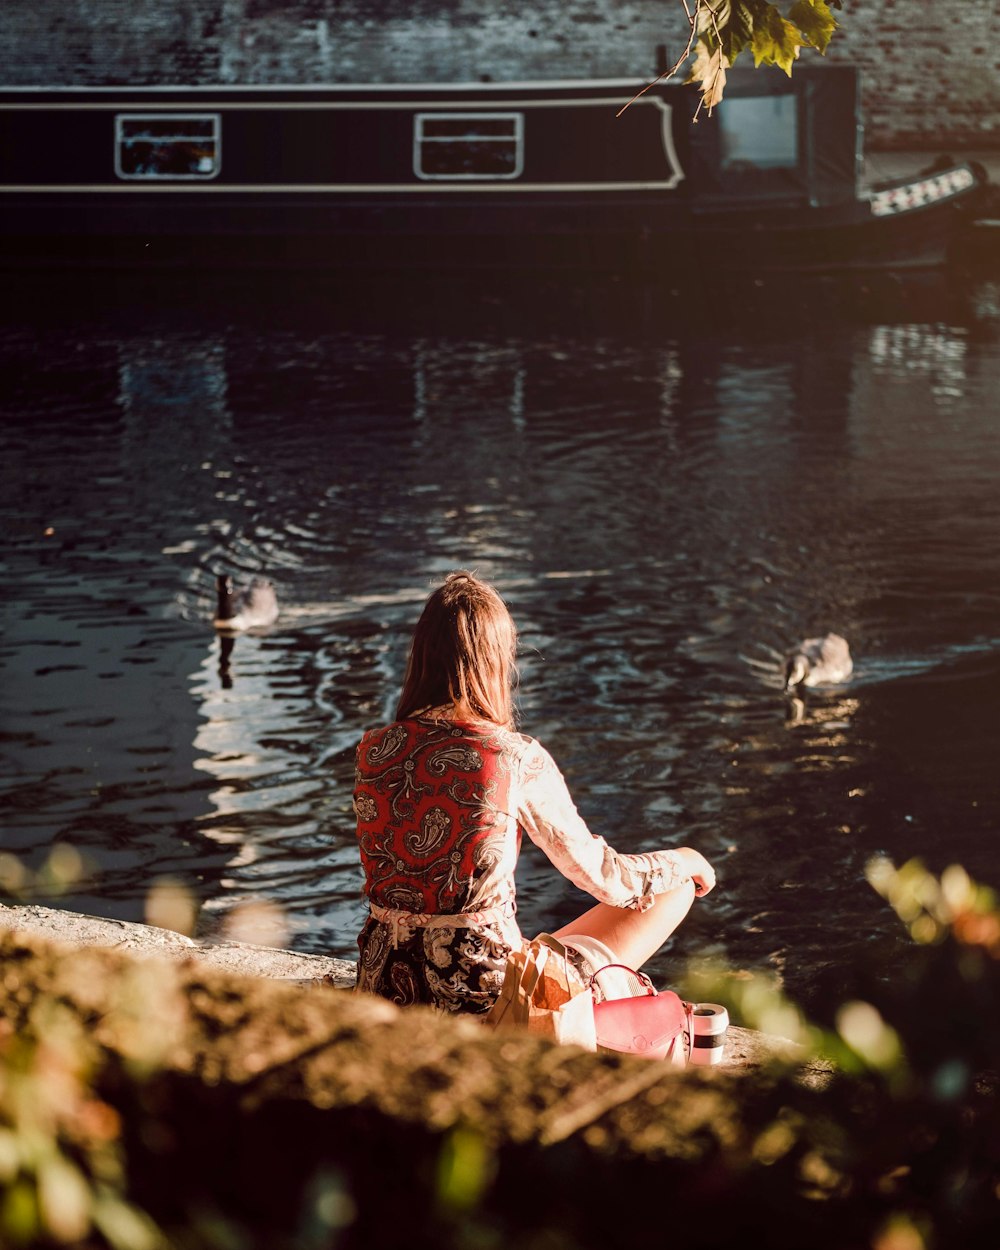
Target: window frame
x=168 y=115
x=789 y=156
x=517 y=137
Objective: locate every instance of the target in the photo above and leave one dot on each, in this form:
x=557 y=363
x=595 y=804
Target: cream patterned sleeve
x=548 y=816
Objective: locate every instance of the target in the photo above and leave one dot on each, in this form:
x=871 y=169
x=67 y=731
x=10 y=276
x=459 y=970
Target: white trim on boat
x=299 y=106
x=530 y=84
x=407 y=188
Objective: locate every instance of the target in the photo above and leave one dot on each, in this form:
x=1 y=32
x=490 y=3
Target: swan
x=818 y=661
x=255 y=605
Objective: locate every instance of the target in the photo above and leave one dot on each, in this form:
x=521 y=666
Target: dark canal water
x=668 y=491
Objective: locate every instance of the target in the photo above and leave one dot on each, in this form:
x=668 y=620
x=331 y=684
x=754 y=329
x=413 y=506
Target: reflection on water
x=668 y=495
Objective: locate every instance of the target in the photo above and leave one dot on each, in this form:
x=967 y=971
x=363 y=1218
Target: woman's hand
x=698 y=869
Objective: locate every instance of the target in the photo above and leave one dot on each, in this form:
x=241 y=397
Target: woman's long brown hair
x=462 y=653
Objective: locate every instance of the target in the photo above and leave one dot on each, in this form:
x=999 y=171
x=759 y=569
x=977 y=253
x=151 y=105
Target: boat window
x=167 y=145
x=468 y=145
x=759 y=132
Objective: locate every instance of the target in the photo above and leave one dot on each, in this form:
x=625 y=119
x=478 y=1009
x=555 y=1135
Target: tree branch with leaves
x=720 y=30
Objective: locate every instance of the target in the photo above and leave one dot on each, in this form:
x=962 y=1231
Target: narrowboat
x=567 y=173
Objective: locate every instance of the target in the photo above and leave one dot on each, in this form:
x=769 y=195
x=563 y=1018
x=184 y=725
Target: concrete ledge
x=746 y=1049
x=72 y=929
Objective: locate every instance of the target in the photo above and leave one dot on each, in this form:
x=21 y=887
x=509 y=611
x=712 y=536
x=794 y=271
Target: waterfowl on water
x=819 y=661
x=253 y=606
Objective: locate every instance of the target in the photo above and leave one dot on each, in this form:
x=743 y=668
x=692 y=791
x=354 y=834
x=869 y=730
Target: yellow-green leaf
x=738 y=32
x=465 y=1168
x=712 y=17
x=815 y=21
x=18 y=1213
x=776 y=41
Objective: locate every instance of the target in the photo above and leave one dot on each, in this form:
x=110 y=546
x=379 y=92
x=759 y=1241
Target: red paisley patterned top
x=441 y=808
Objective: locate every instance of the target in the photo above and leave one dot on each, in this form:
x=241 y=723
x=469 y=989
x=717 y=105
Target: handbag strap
x=530 y=975
x=639 y=976
x=553 y=943
x=549 y=946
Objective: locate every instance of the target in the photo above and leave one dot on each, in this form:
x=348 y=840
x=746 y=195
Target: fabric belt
x=405 y=923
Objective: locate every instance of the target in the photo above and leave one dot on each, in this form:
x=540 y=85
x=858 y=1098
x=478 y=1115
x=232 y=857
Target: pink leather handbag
x=655 y=1025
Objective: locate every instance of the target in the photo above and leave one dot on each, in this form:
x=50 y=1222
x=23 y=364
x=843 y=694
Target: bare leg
x=634 y=935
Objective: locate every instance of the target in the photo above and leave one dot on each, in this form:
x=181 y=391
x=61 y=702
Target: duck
x=818 y=661
x=253 y=606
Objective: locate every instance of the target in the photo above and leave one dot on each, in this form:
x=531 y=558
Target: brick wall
x=931 y=68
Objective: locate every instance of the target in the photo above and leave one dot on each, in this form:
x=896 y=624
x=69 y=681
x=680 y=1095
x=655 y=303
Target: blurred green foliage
x=62 y=1169
x=895 y=1145
x=915 y=1064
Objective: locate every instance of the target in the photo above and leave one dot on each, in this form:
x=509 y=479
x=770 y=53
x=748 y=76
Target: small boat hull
x=551 y=175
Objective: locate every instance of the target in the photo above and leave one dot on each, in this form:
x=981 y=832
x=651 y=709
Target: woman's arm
x=548 y=815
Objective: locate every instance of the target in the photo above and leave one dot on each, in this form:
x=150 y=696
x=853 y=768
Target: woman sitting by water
x=442 y=796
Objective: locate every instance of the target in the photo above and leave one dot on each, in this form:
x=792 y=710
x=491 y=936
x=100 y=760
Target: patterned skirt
x=456 y=969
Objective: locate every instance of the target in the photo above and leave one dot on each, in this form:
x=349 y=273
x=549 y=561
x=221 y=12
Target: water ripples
x=666 y=509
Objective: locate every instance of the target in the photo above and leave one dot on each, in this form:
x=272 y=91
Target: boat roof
x=740 y=78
